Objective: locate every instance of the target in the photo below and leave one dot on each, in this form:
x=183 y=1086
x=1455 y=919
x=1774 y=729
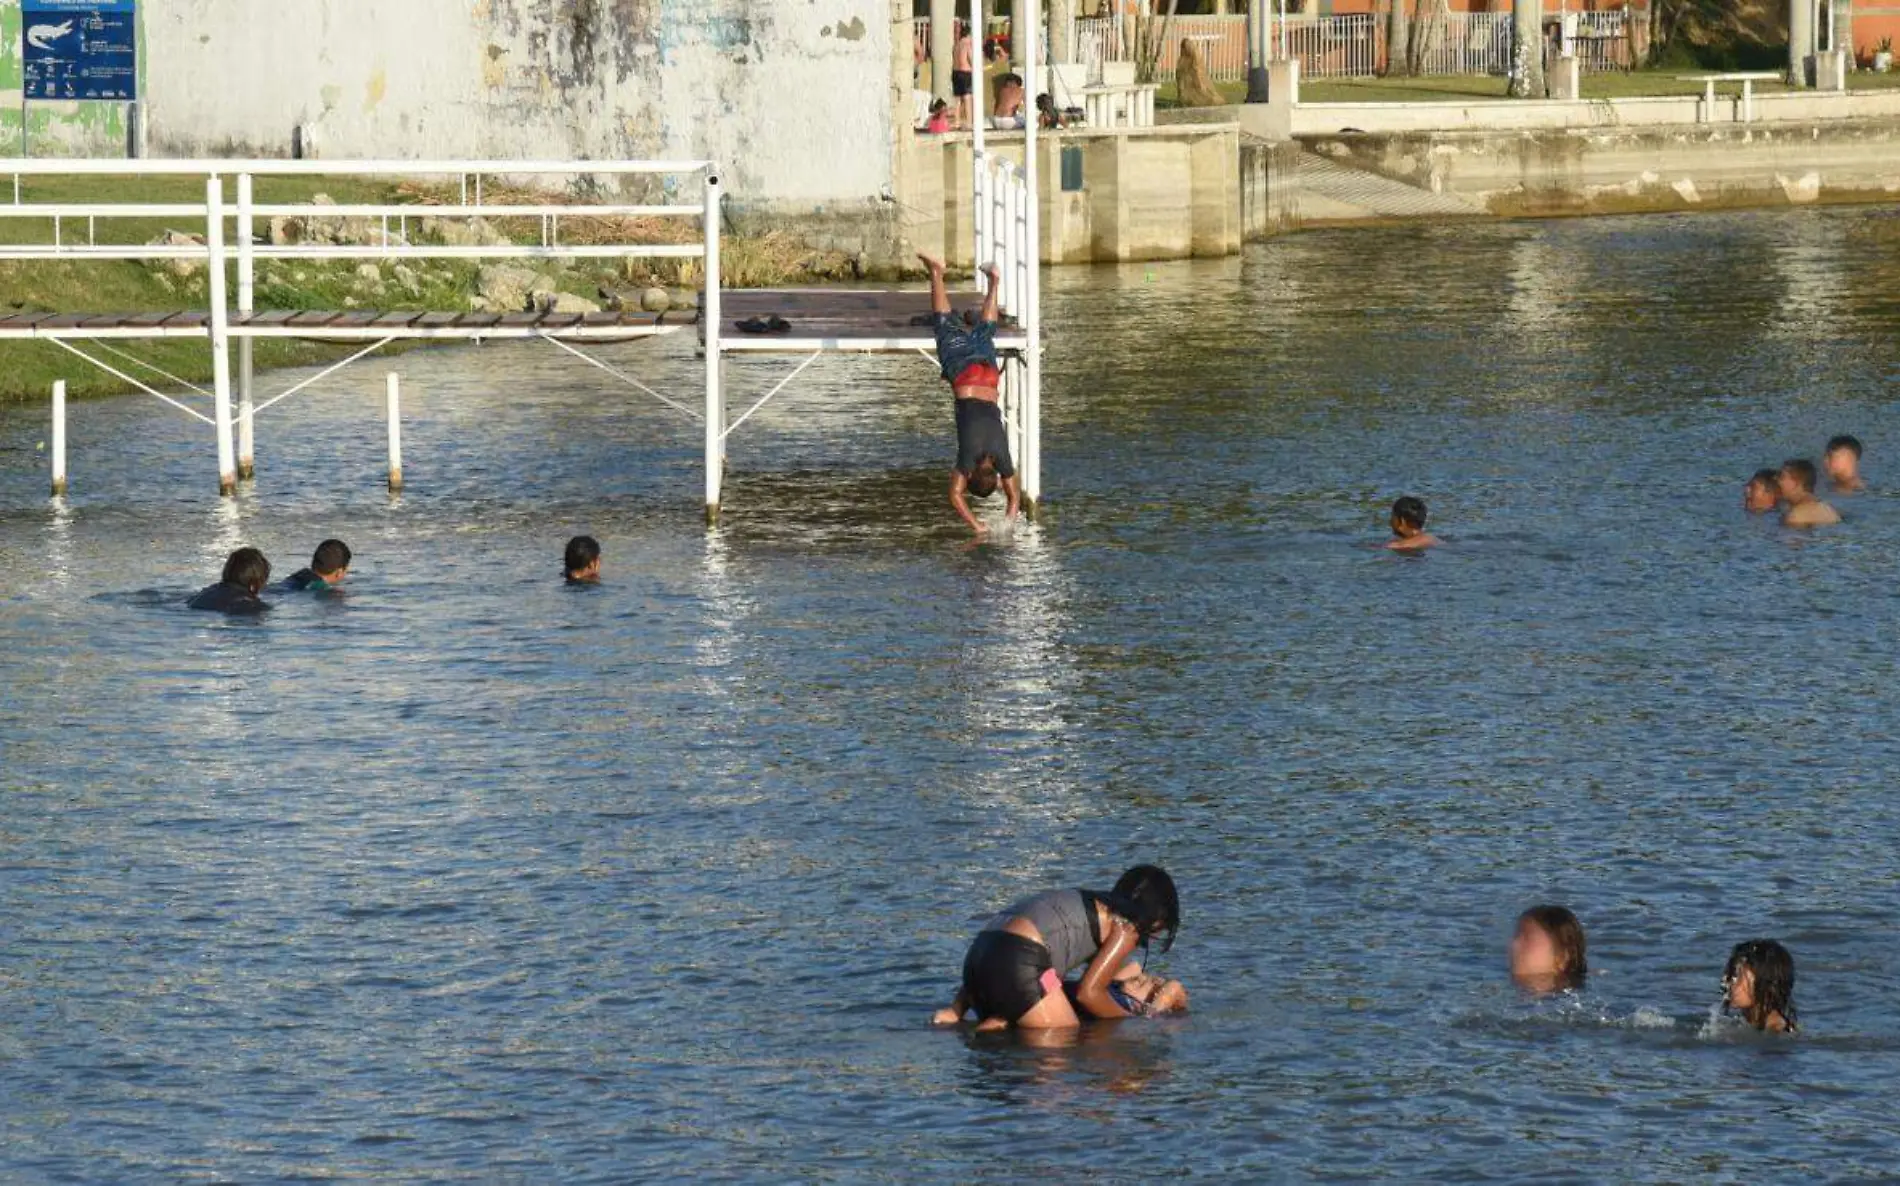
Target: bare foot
x=945 y=1017
x=991 y=1025
x=992 y=271
x=932 y=264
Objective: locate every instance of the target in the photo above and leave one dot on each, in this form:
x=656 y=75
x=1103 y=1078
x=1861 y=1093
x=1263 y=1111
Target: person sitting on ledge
x=939 y=121
x=1797 y=490
x=1408 y=526
x=1842 y=462
x=967 y=357
x=328 y=566
x=1008 y=116
x=246 y=573
x=1762 y=493
x=583 y=560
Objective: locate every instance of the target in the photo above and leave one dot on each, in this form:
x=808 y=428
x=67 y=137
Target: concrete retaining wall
x=1317 y=119
x=1637 y=169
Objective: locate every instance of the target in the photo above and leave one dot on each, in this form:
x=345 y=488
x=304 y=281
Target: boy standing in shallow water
x=581 y=564
x=1797 y=490
x=1408 y=526
x=967 y=356
x=1762 y=493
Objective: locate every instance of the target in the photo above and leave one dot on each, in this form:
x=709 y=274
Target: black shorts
x=1006 y=975
x=961 y=82
x=981 y=433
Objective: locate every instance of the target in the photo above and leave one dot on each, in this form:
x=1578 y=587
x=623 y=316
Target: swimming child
x=967 y=356
x=582 y=563
x=1408 y=526
x=1759 y=984
x=1013 y=972
x=246 y=572
x=1141 y=994
x=328 y=566
x=1547 y=951
x=1762 y=492
x=1797 y=490
x=1842 y=462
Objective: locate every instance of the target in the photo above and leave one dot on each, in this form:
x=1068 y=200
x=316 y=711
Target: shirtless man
x=967 y=357
x=1842 y=462
x=963 y=80
x=1797 y=490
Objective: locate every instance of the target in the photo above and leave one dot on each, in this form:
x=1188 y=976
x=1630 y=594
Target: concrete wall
x=1314 y=119
x=1637 y=169
x=1146 y=193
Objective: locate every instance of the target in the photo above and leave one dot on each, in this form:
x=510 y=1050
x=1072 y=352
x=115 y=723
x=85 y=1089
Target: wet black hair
x=247 y=567
x=330 y=555
x=1851 y=444
x=1774 y=979
x=1566 y=935
x=982 y=480
x=1410 y=511
x=1145 y=896
x=1803 y=471
x=582 y=551
x=1766 y=477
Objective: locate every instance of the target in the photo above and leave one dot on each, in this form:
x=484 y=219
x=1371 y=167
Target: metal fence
x=1353 y=46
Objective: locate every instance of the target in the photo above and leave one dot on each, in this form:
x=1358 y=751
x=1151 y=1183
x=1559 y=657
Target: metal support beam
x=715 y=395
x=59 y=438
x=1030 y=462
x=220 y=335
x=392 y=398
x=247 y=304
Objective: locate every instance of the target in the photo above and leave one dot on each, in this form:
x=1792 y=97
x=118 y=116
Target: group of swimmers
x=246 y=577
x=1792 y=486
x=1017 y=969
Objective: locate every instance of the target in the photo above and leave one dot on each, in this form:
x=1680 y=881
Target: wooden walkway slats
x=895 y=320
x=321 y=321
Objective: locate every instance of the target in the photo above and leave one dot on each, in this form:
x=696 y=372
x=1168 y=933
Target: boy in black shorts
x=967 y=356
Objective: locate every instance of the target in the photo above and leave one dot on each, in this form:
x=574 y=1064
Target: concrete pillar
x=1061 y=25
x=1258 y=17
x=1106 y=164
x=1830 y=70
x=1019 y=32
x=1800 y=40
x=1213 y=171
x=1566 y=79
x=943 y=47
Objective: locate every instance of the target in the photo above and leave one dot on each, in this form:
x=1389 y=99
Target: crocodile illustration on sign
x=43 y=36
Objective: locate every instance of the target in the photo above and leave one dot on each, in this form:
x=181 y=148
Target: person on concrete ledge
x=1762 y=493
x=967 y=356
x=1842 y=462
x=963 y=80
x=1797 y=490
x=328 y=566
x=246 y=573
x=1408 y=526
x=582 y=564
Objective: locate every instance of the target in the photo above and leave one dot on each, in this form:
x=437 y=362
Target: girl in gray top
x=1013 y=972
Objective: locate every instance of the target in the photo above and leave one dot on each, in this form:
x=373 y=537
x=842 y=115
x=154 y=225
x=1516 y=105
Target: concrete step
x=1332 y=191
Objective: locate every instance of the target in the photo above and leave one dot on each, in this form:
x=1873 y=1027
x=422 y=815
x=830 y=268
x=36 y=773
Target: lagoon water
x=469 y=875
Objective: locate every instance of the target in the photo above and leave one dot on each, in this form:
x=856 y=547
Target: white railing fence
x=1353 y=45
x=1002 y=229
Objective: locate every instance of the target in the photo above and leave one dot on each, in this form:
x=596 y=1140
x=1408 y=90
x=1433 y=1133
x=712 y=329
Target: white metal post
x=220 y=334
x=392 y=399
x=1029 y=462
x=246 y=303
x=59 y=438
x=979 y=159
x=709 y=317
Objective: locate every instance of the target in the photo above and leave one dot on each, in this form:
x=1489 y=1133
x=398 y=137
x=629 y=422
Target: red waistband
x=978 y=374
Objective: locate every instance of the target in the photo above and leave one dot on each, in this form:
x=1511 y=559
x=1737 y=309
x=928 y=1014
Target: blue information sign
x=80 y=49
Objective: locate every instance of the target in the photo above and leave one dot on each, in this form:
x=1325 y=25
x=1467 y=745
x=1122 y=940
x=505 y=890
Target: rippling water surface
x=469 y=874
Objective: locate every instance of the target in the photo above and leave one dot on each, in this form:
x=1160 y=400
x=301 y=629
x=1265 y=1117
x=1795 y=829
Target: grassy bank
x=1451 y=88
x=28 y=369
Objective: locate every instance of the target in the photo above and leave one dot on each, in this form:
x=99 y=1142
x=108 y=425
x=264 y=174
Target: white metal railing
x=231 y=242
x=1097 y=40
x=1002 y=230
x=1465 y=43
x=1221 y=42
x=1350 y=46
x=1600 y=40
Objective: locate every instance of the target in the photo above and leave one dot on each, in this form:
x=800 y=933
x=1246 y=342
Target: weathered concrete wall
x=791 y=98
x=1638 y=169
x=1145 y=193
x=1316 y=119
x=1269 y=186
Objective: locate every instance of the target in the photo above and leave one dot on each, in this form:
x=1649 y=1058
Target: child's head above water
x=1408 y=517
x=1763 y=491
x=1758 y=983
x=1547 y=950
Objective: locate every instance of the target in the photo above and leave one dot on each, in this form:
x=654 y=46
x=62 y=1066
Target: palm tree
x=1527 y=49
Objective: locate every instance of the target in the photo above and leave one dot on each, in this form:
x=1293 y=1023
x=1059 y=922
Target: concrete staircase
x=1330 y=191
